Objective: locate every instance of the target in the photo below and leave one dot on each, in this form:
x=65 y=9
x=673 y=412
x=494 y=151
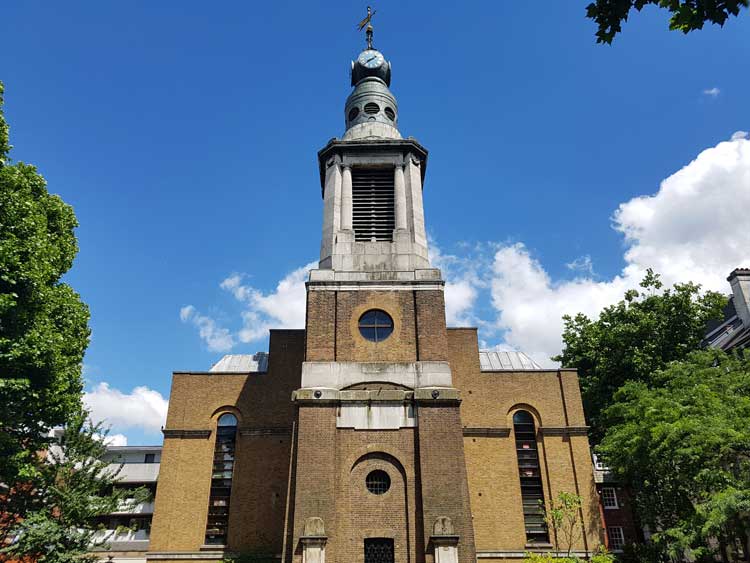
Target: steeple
x=371 y=110
x=373 y=219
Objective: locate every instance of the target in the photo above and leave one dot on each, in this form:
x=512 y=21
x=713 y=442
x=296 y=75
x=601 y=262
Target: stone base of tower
x=424 y=464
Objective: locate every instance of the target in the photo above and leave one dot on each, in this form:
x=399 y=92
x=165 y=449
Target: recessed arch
x=523 y=407
x=380 y=456
x=226 y=409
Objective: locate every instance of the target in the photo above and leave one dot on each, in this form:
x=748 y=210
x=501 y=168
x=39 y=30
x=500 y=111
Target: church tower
x=376 y=434
x=380 y=469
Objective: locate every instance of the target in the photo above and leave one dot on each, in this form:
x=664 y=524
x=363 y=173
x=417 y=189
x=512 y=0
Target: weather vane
x=366 y=22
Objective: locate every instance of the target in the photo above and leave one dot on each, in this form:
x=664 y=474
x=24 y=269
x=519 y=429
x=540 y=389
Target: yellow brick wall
x=262 y=403
x=489 y=399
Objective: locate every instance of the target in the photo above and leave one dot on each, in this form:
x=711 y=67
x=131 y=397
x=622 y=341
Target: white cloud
x=737 y=135
x=582 y=264
x=530 y=305
x=142 y=408
x=116 y=440
x=217 y=338
x=713 y=92
x=692 y=229
x=282 y=308
x=461 y=284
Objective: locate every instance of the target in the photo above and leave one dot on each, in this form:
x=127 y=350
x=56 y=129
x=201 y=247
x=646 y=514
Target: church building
x=376 y=434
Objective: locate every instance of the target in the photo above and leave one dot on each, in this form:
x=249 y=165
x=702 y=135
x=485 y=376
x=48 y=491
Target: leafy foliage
x=683 y=443
x=43 y=322
x=50 y=492
x=562 y=516
x=635 y=338
x=63 y=496
x=601 y=556
x=687 y=15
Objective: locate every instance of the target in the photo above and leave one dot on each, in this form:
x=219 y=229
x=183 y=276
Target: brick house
x=376 y=433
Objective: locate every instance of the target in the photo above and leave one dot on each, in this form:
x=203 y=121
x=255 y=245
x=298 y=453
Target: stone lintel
x=340 y=375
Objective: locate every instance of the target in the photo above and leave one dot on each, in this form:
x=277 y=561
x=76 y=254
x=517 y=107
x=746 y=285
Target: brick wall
x=333 y=333
x=489 y=400
x=266 y=415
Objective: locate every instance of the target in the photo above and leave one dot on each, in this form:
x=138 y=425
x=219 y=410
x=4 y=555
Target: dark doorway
x=379 y=550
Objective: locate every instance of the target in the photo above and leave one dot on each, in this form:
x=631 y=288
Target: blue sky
x=186 y=137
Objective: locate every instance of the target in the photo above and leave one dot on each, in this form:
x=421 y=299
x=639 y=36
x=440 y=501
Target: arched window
x=532 y=493
x=221 y=480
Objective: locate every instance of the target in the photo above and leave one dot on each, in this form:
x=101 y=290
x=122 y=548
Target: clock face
x=371 y=59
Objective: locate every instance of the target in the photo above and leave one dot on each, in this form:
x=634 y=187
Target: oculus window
x=375 y=325
x=378 y=482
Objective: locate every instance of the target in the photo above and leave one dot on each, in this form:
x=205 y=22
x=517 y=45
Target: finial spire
x=367 y=22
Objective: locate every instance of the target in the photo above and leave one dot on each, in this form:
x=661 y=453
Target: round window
x=353 y=113
x=378 y=482
x=371 y=108
x=390 y=113
x=375 y=325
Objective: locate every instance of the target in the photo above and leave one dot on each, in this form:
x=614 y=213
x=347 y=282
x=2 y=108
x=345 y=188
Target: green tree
x=683 y=442
x=563 y=517
x=635 y=338
x=687 y=15
x=69 y=490
x=50 y=492
x=43 y=322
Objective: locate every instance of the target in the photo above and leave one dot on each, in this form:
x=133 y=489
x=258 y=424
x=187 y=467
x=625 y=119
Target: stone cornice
x=487 y=432
x=564 y=430
x=180 y=433
x=266 y=431
x=405 y=146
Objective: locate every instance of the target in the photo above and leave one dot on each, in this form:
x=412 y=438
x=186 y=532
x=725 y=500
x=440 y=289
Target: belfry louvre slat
x=372 y=204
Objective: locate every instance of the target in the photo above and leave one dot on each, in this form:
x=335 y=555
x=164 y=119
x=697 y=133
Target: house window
x=379 y=550
x=609 y=497
x=150 y=458
x=221 y=481
x=529 y=472
x=372 y=204
x=616 y=537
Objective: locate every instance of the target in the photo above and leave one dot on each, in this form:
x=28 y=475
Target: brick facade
x=334 y=406
x=293 y=463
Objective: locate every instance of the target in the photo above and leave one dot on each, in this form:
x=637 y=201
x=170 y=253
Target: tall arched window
x=221 y=480
x=532 y=493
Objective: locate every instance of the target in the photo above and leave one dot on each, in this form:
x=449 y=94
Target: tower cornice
x=337 y=147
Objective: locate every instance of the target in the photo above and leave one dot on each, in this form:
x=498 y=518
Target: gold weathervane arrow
x=361 y=25
x=367 y=22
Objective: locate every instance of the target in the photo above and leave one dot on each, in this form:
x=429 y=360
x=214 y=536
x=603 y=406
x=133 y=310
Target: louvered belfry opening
x=372 y=204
